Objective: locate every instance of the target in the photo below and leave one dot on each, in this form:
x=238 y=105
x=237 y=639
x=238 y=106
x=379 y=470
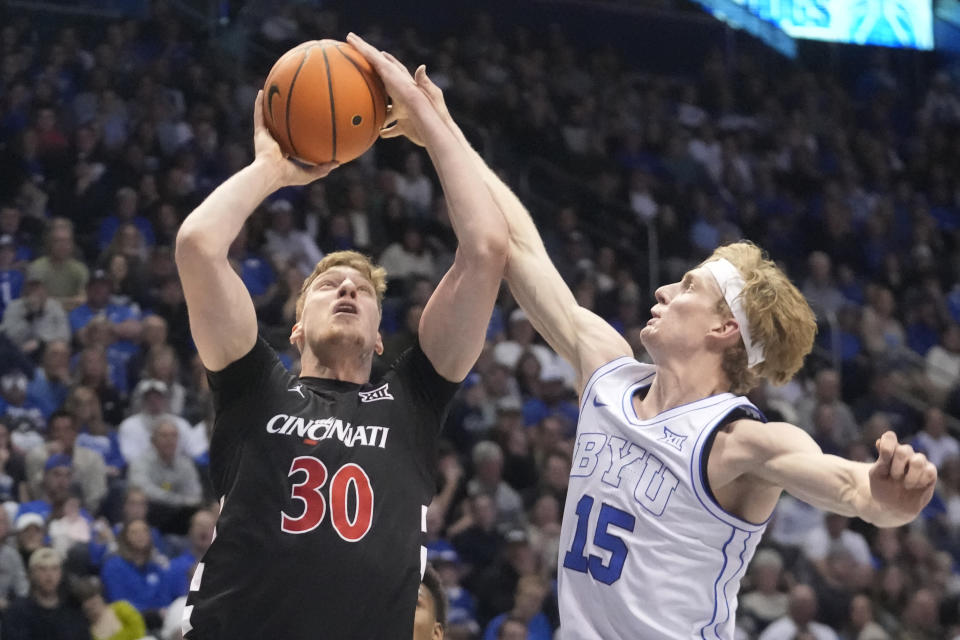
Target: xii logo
x=380 y=393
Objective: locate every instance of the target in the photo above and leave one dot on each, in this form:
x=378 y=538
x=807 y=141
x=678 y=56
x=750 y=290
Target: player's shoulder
x=760 y=440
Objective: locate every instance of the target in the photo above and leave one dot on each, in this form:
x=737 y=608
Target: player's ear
x=379 y=346
x=724 y=333
x=296 y=337
x=437 y=631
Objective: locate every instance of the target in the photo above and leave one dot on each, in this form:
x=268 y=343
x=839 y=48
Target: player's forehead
x=702 y=277
x=342 y=272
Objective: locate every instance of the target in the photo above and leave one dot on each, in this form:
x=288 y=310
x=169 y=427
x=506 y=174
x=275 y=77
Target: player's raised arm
x=888 y=493
x=222 y=318
x=580 y=337
x=454 y=322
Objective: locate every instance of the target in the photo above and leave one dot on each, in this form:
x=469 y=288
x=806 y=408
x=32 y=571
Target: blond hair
x=377 y=275
x=780 y=319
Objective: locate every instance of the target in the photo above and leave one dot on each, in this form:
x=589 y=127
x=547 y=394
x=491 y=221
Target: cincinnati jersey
x=324 y=488
x=645 y=550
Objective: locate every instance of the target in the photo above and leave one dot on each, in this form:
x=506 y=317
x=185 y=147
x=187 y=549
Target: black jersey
x=325 y=486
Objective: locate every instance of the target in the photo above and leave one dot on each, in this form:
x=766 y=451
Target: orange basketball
x=323 y=102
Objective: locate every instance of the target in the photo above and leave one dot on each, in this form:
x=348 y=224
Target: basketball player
x=675 y=474
x=325 y=477
x=430 y=619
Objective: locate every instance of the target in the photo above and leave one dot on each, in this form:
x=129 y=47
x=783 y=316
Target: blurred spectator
x=12 y=468
x=55 y=488
x=827 y=392
x=921 y=618
x=135 y=432
x=799 y=619
x=93 y=370
x=125 y=212
x=882 y=333
x=766 y=601
x=943 y=361
x=134 y=576
x=89 y=469
x=11 y=278
x=861 y=625
x=933 y=440
x=495 y=584
x=287 y=245
x=162 y=364
x=31 y=530
x=414 y=187
x=168 y=477
x=35 y=319
x=488 y=463
x=531 y=591
x=255 y=271
x=13 y=577
x=44 y=613
x=71 y=528
x=835 y=532
x=199 y=538
x=462 y=606
x=95 y=433
x=115 y=621
x=475 y=535
x=64 y=276
x=23 y=415
x=513 y=628
x=520 y=338
x=819 y=288
x=543 y=529
x=125 y=325
x=409 y=256
x=48 y=389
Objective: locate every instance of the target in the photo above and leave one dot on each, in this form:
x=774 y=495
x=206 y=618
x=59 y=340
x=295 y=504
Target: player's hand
x=408 y=100
x=434 y=94
x=901 y=480
x=268 y=153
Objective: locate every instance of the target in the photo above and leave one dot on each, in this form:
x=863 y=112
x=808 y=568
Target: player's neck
x=680 y=383
x=348 y=367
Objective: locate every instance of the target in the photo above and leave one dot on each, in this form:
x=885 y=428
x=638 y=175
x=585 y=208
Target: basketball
x=323 y=102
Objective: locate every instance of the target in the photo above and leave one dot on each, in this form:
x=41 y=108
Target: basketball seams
x=333 y=108
x=293 y=81
x=373 y=98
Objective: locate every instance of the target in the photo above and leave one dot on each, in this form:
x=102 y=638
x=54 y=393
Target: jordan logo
x=672 y=439
x=380 y=393
x=298 y=389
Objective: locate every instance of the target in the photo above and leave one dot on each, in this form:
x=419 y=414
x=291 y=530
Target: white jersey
x=645 y=551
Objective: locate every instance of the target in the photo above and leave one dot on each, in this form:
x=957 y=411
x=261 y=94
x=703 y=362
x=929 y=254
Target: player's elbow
x=190 y=247
x=490 y=251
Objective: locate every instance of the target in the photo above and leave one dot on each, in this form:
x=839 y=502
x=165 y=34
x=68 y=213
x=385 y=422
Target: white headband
x=731 y=284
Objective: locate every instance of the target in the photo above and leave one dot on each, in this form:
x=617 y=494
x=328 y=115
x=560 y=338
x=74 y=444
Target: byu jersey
x=645 y=551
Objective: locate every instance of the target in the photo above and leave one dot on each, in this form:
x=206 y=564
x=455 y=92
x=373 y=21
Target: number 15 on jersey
x=609 y=520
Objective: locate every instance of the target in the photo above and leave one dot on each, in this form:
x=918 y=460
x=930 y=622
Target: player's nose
x=347 y=288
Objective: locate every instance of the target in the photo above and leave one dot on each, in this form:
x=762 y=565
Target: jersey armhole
x=702 y=482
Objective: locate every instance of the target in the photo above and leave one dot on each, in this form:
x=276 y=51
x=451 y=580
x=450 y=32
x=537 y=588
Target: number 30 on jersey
x=348 y=478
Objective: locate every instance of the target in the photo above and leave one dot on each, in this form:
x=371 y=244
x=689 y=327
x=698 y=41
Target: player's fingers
x=373 y=55
x=901 y=456
x=919 y=472
x=258 y=111
x=886 y=445
x=392 y=131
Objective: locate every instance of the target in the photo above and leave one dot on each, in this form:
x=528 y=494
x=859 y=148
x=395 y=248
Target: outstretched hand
x=901 y=480
x=268 y=152
x=410 y=95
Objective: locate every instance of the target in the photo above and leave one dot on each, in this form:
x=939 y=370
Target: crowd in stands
x=112 y=131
